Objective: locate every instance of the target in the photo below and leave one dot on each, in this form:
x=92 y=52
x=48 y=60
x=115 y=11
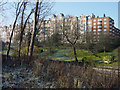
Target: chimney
x=97 y=16
x=104 y=15
x=93 y=16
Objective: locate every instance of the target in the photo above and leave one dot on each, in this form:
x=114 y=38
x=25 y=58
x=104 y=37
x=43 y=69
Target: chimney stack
x=104 y=15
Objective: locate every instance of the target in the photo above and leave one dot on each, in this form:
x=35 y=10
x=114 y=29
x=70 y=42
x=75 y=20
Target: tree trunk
x=75 y=54
x=17 y=14
x=29 y=37
x=11 y=36
x=104 y=49
x=22 y=30
x=34 y=30
x=20 y=44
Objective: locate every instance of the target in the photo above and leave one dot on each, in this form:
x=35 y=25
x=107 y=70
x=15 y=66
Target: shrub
x=107 y=58
x=36 y=51
x=70 y=75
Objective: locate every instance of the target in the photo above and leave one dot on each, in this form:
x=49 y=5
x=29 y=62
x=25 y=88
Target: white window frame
x=105 y=29
x=105 y=19
x=99 y=26
x=94 y=26
x=105 y=22
x=94 y=23
x=105 y=26
x=99 y=29
x=99 y=19
x=99 y=23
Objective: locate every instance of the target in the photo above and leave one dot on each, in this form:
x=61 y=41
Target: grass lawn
x=84 y=53
x=68 y=55
x=61 y=55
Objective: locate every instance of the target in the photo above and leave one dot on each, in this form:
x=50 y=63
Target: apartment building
x=62 y=24
x=85 y=24
x=6 y=31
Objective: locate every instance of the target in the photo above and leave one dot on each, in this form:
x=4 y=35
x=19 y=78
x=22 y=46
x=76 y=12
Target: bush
x=36 y=51
x=107 y=58
x=88 y=61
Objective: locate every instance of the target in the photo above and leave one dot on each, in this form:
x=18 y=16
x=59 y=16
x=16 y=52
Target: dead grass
x=70 y=75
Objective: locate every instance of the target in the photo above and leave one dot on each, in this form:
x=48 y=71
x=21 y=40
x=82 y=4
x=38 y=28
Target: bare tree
x=18 y=11
x=72 y=37
x=42 y=10
x=23 y=24
x=34 y=29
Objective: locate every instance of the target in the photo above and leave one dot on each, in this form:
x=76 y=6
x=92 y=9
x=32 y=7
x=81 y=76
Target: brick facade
x=84 y=24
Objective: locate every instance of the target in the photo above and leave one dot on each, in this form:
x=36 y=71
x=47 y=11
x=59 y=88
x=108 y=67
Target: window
x=110 y=22
x=110 y=29
x=45 y=21
x=99 y=22
x=94 y=23
x=99 y=26
x=105 y=26
x=110 y=26
x=105 y=19
x=94 y=26
x=65 y=20
x=89 y=18
x=99 y=29
x=94 y=30
x=105 y=29
x=99 y=19
x=110 y=19
x=105 y=22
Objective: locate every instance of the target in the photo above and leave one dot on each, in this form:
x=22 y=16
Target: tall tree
x=18 y=11
x=23 y=24
x=34 y=29
x=42 y=10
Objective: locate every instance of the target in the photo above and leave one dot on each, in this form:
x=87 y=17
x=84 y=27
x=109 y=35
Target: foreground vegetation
x=56 y=74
